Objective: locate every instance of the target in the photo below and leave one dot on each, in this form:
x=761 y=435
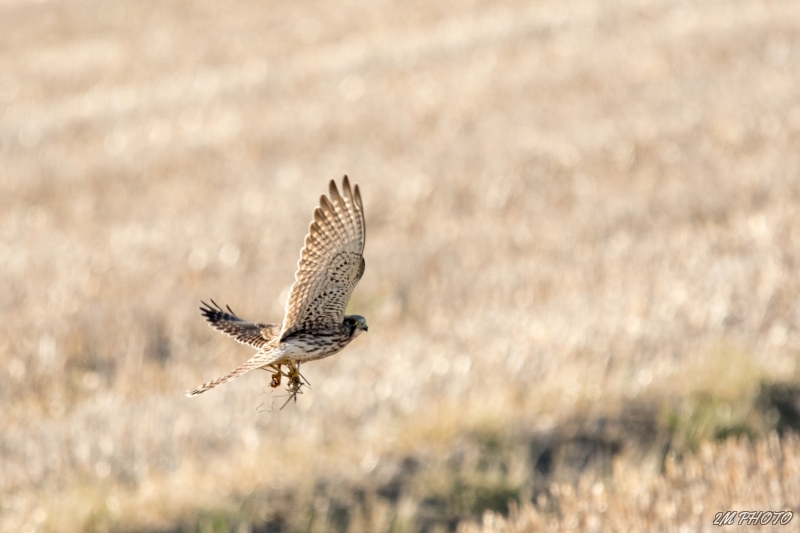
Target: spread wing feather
x=255 y=335
x=331 y=263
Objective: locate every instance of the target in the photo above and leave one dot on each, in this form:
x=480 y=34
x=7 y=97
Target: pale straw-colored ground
x=573 y=208
x=754 y=480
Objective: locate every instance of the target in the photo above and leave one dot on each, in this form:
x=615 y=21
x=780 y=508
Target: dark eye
x=350 y=322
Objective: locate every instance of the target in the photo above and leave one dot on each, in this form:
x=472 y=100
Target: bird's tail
x=257 y=361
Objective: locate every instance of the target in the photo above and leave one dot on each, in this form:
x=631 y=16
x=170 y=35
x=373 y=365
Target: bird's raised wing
x=331 y=263
x=255 y=335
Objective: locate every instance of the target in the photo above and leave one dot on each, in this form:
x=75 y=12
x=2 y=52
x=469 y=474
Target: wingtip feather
x=336 y=198
x=326 y=204
x=332 y=189
x=357 y=196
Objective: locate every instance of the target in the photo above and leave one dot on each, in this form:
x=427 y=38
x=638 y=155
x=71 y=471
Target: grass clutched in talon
x=293 y=389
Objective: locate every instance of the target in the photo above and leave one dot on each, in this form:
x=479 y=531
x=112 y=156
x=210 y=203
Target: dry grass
x=573 y=208
x=687 y=496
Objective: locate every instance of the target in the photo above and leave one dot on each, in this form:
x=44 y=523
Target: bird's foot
x=276 y=374
x=295 y=385
x=276 y=379
x=295 y=381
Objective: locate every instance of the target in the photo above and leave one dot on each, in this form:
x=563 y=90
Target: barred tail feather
x=257 y=361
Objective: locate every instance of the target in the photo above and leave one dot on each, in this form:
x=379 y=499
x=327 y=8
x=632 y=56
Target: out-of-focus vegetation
x=582 y=263
x=759 y=480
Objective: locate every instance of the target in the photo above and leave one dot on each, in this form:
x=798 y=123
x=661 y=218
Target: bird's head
x=355 y=324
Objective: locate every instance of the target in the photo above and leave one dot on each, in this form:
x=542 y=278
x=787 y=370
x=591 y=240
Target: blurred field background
x=582 y=284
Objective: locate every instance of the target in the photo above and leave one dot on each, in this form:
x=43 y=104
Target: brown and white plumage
x=331 y=263
x=255 y=335
x=314 y=326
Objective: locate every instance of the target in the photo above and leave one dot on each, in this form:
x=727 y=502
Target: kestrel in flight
x=315 y=326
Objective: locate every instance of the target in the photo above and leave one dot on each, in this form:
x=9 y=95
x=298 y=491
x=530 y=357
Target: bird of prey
x=314 y=326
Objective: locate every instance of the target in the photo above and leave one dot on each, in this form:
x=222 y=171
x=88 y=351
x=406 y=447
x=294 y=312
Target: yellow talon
x=276 y=378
